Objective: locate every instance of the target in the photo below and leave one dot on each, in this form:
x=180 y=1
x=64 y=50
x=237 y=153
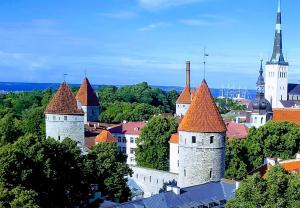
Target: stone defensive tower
x=201 y=141
x=184 y=100
x=64 y=117
x=89 y=101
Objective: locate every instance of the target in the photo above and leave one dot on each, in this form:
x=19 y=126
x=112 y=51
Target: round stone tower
x=89 y=101
x=64 y=117
x=201 y=141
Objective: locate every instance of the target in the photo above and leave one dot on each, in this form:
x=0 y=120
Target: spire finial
x=85 y=73
x=204 y=62
x=279 y=6
x=261 y=67
x=65 y=77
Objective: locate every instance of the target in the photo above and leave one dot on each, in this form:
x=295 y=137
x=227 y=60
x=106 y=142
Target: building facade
x=89 y=102
x=127 y=134
x=64 y=117
x=174 y=153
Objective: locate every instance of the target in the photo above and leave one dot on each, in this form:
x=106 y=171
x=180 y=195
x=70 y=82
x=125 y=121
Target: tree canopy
x=279 y=189
x=274 y=139
x=134 y=102
x=153 y=144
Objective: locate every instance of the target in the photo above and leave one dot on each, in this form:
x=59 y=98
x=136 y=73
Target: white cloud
x=158 y=4
x=207 y=20
x=122 y=15
x=153 y=26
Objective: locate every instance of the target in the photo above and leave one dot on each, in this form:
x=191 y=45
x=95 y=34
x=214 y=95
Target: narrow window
x=210 y=173
x=184 y=172
x=58 y=138
x=131 y=140
x=178 y=150
x=193 y=139
x=65 y=118
x=211 y=139
x=177 y=163
x=137 y=175
x=261 y=120
x=157 y=181
x=150 y=179
x=144 y=178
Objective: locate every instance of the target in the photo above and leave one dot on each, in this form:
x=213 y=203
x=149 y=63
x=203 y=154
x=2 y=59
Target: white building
x=64 y=117
x=89 y=101
x=184 y=100
x=127 y=134
x=278 y=91
x=260 y=110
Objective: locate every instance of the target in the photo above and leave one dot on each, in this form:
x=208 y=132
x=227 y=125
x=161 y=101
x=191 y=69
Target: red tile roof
x=236 y=130
x=105 y=137
x=203 y=114
x=287 y=114
x=86 y=95
x=133 y=128
x=63 y=102
x=174 y=138
x=185 y=96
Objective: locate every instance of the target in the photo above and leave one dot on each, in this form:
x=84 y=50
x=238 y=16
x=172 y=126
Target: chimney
x=188 y=74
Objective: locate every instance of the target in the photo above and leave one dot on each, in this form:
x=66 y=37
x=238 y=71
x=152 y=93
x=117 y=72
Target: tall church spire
x=277 y=56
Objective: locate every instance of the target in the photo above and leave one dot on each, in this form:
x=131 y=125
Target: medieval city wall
x=152 y=181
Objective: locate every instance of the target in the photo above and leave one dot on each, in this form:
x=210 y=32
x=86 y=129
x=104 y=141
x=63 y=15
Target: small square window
x=65 y=118
x=193 y=139
x=211 y=139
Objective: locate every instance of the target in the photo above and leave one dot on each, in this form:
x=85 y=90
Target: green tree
x=109 y=170
x=153 y=144
x=279 y=189
x=33 y=121
x=10 y=129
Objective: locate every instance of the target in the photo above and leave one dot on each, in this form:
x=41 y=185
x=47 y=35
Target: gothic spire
x=277 y=56
x=260 y=81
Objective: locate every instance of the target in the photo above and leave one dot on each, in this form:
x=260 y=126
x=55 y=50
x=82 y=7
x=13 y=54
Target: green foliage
x=110 y=171
x=280 y=189
x=225 y=105
x=153 y=146
x=134 y=103
x=275 y=139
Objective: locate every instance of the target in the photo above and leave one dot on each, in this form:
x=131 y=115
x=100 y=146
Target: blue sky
x=130 y=41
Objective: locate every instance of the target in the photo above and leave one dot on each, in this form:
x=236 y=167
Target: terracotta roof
x=174 y=138
x=133 y=128
x=63 y=102
x=287 y=114
x=185 y=96
x=105 y=137
x=236 y=130
x=86 y=95
x=203 y=114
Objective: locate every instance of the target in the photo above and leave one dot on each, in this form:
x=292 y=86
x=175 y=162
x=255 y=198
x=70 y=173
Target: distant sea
x=6 y=87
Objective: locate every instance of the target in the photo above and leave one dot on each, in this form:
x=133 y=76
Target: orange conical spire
x=63 y=102
x=203 y=115
x=86 y=95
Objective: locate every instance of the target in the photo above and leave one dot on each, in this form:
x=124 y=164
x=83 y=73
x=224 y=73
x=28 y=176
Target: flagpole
x=204 y=62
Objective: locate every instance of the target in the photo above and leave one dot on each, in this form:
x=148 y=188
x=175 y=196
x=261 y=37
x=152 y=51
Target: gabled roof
x=185 y=96
x=294 y=89
x=132 y=128
x=105 y=137
x=86 y=95
x=236 y=130
x=63 y=102
x=203 y=114
x=174 y=139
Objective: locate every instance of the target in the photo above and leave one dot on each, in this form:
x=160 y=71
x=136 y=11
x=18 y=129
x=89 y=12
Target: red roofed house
x=184 y=100
x=126 y=135
x=89 y=101
x=236 y=130
x=64 y=117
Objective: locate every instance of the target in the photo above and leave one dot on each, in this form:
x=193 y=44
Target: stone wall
x=201 y=161
x=174 y=158
x=91 y=113
x=61 y=126
x=152 y=181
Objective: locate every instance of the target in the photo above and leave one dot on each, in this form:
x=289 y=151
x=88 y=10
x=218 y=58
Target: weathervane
x=204 y=61
x=65 y=76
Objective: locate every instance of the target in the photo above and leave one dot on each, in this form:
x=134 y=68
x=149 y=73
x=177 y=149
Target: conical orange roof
x=86 y=95
x=105 y=137
x=185 y=96
x=203 y=114
x=63 y=102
